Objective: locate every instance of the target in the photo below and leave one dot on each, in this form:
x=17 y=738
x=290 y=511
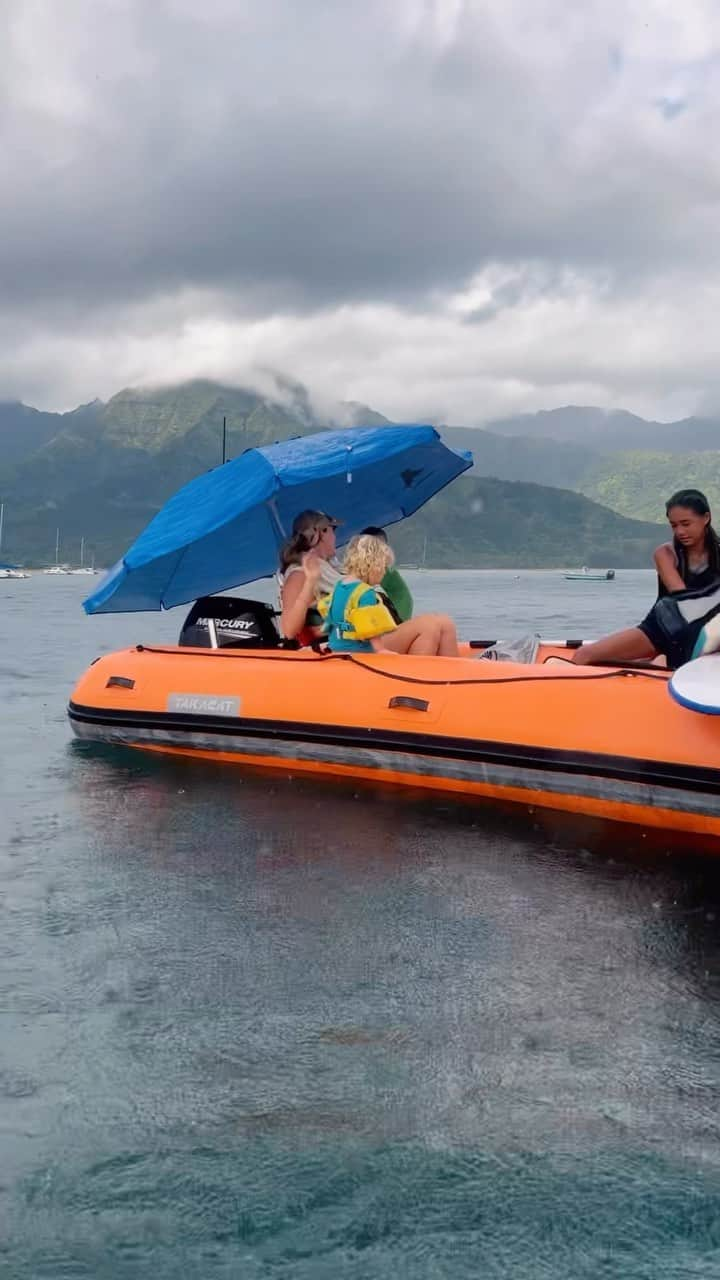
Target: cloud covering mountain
x=454 y=208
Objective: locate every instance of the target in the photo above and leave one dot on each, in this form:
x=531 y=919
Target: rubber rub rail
x=404 y=679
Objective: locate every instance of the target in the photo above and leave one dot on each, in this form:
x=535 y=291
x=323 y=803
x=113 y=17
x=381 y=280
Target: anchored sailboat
x=57 y=567
x=84 y=568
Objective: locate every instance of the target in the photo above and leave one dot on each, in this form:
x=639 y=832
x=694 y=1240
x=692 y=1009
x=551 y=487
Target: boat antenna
x=224 y=439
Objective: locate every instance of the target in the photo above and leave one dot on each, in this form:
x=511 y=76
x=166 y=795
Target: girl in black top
x=690 y=562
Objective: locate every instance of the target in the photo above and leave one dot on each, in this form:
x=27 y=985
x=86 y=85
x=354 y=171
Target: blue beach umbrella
x=225 y=527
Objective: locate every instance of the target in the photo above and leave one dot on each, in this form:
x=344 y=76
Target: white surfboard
x=696 y=685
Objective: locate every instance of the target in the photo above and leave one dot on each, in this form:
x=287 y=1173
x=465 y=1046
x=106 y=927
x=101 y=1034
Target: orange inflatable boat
x=606 y=742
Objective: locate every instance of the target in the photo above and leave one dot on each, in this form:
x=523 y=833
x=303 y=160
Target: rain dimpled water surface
x=255 y=1026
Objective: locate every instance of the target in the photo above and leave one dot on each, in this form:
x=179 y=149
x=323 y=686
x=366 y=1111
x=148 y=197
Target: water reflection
x=444 y=976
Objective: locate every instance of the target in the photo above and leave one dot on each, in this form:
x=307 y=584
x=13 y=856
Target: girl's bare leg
x=622 y=646
x=448 y=638
x=420 y=635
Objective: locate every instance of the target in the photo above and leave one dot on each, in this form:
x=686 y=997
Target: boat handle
x=408 y=704
x=120 y=682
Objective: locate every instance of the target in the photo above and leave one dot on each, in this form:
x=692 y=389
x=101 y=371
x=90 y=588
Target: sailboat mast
x=2 y=514
x=82 y=552
x=57 y=546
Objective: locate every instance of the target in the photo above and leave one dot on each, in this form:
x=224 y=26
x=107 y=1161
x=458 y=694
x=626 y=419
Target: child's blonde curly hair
x=367 y=557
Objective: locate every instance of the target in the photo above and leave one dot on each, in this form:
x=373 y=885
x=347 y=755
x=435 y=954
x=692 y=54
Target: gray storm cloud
x=245 y=161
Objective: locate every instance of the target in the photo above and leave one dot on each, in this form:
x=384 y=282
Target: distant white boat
x=591 y=575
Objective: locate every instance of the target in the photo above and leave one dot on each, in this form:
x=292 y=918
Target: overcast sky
x=444 y=209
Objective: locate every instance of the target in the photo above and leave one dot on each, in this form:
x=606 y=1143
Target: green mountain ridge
x=611 y=430
x=525 y=458
x=635 y=483
x=489 y=523
x=639 y=482
x=24 y=430
x=109 y=467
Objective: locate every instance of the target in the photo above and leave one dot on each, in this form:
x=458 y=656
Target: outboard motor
x=228 y=622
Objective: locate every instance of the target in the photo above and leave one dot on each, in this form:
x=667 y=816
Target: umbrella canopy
x=225 y=527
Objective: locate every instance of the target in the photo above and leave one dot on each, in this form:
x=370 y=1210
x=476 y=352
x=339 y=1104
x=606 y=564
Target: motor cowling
x=229 y=622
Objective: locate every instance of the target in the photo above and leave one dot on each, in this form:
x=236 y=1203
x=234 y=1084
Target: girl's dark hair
x=695 y=501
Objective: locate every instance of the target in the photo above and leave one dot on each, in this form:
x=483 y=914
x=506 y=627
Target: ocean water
x=265 y=1027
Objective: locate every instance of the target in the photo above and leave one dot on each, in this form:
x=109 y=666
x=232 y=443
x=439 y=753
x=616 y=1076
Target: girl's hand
x=312 y=568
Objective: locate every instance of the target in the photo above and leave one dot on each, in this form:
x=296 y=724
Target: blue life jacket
x=354 y=615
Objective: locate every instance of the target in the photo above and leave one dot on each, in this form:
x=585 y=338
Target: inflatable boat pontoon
x=606 y=742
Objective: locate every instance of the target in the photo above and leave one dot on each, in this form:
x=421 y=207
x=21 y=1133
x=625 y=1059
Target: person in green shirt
x=393 y=584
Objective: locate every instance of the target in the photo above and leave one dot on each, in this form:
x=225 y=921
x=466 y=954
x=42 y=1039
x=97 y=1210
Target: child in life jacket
x=357 y=619
x=394 y=587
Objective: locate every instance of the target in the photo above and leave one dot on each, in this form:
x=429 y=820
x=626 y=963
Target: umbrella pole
x=275 y=517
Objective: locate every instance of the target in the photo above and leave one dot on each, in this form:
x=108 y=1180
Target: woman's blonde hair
x=367 y=556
